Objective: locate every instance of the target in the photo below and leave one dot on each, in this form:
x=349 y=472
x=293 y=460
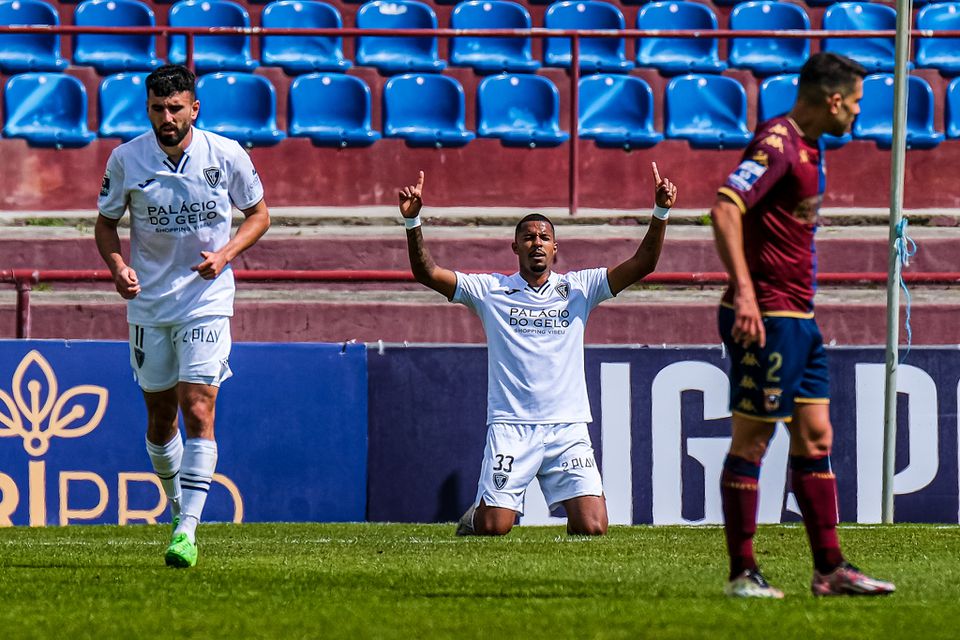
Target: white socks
x=196 y=472
x=166 y=464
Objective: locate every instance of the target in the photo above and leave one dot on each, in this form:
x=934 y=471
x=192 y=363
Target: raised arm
x=728 y=234
x=425 y=270
x=644 y=261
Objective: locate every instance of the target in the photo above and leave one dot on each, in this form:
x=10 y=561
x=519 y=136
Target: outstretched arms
x=644 y=261
x=425 y=270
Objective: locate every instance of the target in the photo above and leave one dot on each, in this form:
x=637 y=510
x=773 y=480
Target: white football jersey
x=535 y=342
x=177 y=211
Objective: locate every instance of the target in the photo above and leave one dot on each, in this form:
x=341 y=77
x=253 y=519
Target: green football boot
x=181 y=553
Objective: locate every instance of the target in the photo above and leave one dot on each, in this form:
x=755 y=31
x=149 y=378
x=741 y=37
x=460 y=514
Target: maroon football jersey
x=778 y=187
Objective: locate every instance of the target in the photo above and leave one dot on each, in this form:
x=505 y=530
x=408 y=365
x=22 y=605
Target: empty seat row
x=50 y=109
x=304 y=54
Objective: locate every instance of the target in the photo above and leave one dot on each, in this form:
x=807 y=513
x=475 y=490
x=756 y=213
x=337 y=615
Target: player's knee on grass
x=586 y=516
x=493 y=521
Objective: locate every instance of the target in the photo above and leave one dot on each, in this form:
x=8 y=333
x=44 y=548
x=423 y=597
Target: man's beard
x=171 y=138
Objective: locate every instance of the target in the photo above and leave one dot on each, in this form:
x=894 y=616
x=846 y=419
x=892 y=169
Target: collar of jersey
x=164 y=158
x=518 y=282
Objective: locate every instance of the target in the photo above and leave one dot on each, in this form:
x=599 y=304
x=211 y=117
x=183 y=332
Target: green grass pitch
x=418 y=581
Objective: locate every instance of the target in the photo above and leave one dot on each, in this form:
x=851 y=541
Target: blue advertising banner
x=291 y=433
x=661 y=431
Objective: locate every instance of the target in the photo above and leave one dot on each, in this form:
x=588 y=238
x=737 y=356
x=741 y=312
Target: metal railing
x=191 y=33
x=25 y=279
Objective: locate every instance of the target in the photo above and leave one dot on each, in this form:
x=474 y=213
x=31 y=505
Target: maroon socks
x=815 y=488
x=738 y=491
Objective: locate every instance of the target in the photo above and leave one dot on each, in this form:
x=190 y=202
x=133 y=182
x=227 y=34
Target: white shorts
x=196 y=351
x=560 y=456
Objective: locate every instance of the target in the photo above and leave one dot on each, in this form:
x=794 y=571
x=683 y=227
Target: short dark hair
x=825 y=74
x=533 y=217
x=170 y=79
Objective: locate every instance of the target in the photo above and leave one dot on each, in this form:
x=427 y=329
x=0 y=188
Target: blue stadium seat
x=876 y=54
x=492 y=55
x=47 y=110
x=34 y=51
x=332 y=110
x=113 y=54
x=678 y=55
x=617 y=111
x=777 y=95
x=520 y=110
x=710 y=112
x=302 y=54
x=398 y=55
x=596 y=54
x=767 y=56
x=239 y=106
x=212 y=53
x=939 y=53
x=875 y=121
x=425 y=110
x=951 y=111
x=122 y=106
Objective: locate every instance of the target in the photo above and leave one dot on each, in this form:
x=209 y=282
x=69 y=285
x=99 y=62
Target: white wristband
x=412 y=223
x=661 y=213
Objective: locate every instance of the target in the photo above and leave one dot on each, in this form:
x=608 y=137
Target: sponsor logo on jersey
x=746 y=405
x=749 y=360
x=212 y=174
x=510 y=292
x=500 y=479
x=747 y=383
x=746 y=175
x=197 y=214
x=105 y=184
x=563 y=289
x=146 y=183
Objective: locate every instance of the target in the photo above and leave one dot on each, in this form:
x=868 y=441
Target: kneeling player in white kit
x=180 y=185
x=537 y=407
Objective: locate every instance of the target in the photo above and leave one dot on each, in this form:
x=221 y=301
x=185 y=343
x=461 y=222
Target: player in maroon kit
x=764 y=222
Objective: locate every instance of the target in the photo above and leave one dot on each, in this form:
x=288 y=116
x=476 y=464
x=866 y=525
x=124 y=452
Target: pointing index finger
x=420 y=182
x=656 y=174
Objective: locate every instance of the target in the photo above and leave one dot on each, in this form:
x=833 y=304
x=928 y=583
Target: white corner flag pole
x=898 y=160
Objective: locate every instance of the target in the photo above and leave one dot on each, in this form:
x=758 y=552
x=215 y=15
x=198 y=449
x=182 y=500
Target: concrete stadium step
x=641 y=316
x=841 y=249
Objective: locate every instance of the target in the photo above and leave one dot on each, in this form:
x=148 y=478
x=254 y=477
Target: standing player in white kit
x=180 y=185
x=537 y=407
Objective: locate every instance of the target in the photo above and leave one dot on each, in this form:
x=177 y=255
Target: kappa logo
x=500 y=480
x=563 y=289
x=212 y=174
x=139 y=355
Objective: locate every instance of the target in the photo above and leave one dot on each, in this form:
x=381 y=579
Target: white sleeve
x=472 y=288
x=243 y=182
x=595 y=285
x=113 y=199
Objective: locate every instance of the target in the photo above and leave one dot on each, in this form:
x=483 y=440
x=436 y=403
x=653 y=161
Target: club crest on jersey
x=500 y=480
x=563 y=289
x=105 y=184
x=771 y=399
x=139 y=355
x=212 y=174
